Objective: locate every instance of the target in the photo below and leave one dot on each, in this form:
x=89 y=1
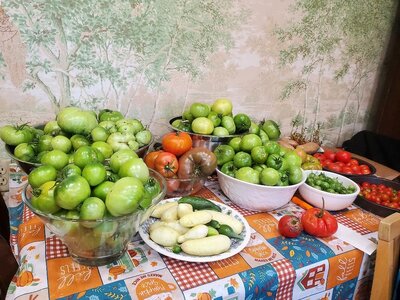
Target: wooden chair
x=387 y=258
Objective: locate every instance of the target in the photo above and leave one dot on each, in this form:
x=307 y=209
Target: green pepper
x=228 y=231
x=213 y=223
x=199 y=203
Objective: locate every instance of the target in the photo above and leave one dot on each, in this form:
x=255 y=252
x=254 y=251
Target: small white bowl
x=332 y=201
x=256 y=196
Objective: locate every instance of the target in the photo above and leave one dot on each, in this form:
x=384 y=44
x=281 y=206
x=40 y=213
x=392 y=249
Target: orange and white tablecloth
x=270 y=267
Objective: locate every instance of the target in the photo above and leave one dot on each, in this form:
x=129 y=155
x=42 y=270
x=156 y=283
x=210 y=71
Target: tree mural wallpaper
x=308 y=64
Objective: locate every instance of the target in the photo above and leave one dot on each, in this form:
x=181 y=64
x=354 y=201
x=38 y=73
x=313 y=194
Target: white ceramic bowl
x=256 y=196
x=332 y=201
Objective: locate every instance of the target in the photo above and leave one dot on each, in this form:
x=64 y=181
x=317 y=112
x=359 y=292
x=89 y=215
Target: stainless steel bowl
x=204 y=140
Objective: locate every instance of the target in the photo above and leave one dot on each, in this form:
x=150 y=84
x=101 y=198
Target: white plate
x=236 y=246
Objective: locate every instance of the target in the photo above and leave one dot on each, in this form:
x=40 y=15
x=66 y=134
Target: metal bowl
x=205 y=140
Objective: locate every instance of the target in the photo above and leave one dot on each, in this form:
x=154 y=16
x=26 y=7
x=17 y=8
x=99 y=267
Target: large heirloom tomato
x=197 y=162
x=177 y=142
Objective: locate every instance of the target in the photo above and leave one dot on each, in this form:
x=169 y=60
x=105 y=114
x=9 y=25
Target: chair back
x=387 y=258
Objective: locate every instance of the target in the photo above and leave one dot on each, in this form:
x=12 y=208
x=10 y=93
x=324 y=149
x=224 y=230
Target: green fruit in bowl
x=202 y=125
x=222 y=106
x=198 y=109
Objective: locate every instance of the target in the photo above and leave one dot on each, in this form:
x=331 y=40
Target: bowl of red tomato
x=378 y=195
x=343 y=163
x=184 y=167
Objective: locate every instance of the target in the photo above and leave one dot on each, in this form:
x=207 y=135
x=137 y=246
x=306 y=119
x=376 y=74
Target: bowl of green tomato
x=328 y=190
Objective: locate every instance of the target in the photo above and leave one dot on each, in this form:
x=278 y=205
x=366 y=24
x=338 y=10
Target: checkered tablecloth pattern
x=286 y=277
x=351 y=224
x=27 y=214
x=55 y=248
x=189 y=275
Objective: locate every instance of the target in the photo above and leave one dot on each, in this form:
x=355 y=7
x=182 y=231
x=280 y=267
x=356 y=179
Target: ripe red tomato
x=290 y=226
x=353 y=162
x=166 y=164
x=334 y=167
x=329 y=154
x=177 y=142
x=343 y=156
x=150 y=158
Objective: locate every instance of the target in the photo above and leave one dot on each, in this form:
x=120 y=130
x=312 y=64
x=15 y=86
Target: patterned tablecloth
x=270 y=267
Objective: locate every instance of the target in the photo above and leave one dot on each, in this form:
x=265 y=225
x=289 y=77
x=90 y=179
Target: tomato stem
x=321 y=212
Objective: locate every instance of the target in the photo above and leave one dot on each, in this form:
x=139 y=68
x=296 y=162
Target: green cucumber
x=199 y=203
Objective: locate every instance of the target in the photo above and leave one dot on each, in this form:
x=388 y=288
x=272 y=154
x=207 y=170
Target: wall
x=312 y=63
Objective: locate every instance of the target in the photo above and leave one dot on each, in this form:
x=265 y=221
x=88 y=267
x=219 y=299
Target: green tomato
x=104 y=148
x=272 y=147
x=78 y=141
x=71 y=192
x=95 y=173
x=271 y=129
x=44 y=143
x=263 y=136
x=109 y=115
x=25 y=152
x=151 y=189
x=242 y=123
x=124 y=196
x=224 y=153
x=269 y=176
x=284 y=178
x=99 y=134
x=135 y=167
x=15 y=135
x=46 y=202
x=249 y=141
x=187 y=116
x=274 y=161
x=70 y=170
x=259 y=154
x=222 y=106
x=105 y=229
x=76 y=121
x=242 y=159
x=85 y=155
x=101 y=190
x=254 y=128
x=92 y=208
x=41 y=175
x=198 y=109
x=229 y=168
x=202 y=125
x=183 y=125
x=214 y=117
x=248 y=174
x=56 y=158
x=52 y=128
x=235 y=143
x=112 y=176
x=109 y=126
x=220 y=131
x=143 y=137
x=292 y=159
x=229 y=124
x=61 y=143
x=120 y=157
x=295 y=175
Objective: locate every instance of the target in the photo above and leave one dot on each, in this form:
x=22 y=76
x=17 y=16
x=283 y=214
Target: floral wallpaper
x=307 y=64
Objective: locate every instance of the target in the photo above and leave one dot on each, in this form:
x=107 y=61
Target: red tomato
x=290 y=226
x=166 y=164
x=354 y=162
x=177 y=142
x=329 y=154
x=319 y=155
x=347 y=170
x=318 y=222
x=334 y=167
x=151 y=157
x=343 y=156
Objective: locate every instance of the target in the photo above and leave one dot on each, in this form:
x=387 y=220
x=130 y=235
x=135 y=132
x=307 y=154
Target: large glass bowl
x=97 y=242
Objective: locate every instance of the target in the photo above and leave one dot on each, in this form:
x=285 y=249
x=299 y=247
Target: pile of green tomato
x=257 y=157
x=91 y=190
x=331 y=185
x=216 y=119
x=56 y=142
